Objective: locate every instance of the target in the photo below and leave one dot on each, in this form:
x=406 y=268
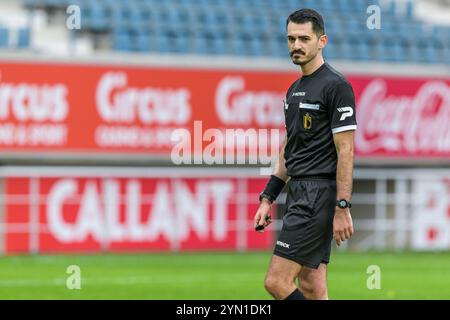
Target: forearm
x=344 y=176
x=277 y=180
x=280 y=169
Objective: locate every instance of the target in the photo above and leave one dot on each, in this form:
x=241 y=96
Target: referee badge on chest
x=307 y=121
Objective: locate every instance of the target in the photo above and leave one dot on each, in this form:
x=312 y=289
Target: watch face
x=343 y=204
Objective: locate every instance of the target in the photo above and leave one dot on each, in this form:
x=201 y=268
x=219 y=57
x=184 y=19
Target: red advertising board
x=92 y=214
x=68 y=108
x=402 y=117
x=73 y=108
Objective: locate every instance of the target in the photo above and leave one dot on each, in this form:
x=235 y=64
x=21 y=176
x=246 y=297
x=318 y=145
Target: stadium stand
x=253 y=28
x=14 y=29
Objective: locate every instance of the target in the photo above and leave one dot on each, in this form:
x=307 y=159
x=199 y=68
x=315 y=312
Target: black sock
x=296 y=295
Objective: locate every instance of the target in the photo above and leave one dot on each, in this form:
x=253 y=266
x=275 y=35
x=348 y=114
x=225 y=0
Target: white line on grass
x=124 y=281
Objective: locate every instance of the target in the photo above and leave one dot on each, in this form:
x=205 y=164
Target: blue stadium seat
x=443 y=53
x=277 y=46
x=347 y=49
x=409 y=9
x=437 y=51
x=389 y=28
x=171 y=16
x=442 y=34
x=419 y=51
x=24 y=38
x=142 y=42
x=94 y=16
x=203 y=42
x=240 y=47
x=4 y=37
x=330 y=51
x=345 y=5
x=363 y=49
x=221 y=45
x=122 y=42
x=163 y=43
x=251 y=44
x=118 y=14
x=212 y=43
x=330 y=5
x=387 y=50
x=388 y=9
x=413 y=52
x=181 y=43
x=356 y=23
x=209 y=19
x=399 y=52
x=201 y=45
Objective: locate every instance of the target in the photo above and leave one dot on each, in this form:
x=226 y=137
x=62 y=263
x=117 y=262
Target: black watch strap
x=343 y=203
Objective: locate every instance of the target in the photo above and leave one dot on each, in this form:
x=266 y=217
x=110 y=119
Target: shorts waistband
x=312 y=177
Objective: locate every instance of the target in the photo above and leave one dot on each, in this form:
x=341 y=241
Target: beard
x=306 y=58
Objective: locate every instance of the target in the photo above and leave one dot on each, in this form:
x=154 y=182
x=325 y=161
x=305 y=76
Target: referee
x=317 y=156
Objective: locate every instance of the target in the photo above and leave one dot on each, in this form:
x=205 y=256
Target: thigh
x=313 y=282
x=314 y=276
x=283 y=269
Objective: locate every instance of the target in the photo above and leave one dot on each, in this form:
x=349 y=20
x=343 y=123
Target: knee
x=273 y=286
x=314 y=291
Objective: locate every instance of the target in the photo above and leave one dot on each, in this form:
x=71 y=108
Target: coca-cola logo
x=237 y=106
x=404 y=124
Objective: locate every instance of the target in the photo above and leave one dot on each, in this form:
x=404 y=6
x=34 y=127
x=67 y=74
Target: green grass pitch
x=216 y=276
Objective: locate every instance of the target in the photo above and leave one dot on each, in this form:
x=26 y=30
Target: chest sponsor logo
x=346 y=112
x=309 y=106
x=299 y=94
x=307 y=121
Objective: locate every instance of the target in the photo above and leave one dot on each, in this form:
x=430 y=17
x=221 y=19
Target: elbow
x=346 y=150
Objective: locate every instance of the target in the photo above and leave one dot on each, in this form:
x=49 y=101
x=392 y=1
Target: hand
x=262 y=216
x=342 y=225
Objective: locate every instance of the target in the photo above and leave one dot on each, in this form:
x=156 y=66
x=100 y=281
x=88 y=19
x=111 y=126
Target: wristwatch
x=265 y=196
x=342 y=203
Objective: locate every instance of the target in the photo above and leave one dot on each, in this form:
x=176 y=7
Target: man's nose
x=297 y=44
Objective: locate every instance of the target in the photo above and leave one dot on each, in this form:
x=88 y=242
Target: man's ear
x=323 y=40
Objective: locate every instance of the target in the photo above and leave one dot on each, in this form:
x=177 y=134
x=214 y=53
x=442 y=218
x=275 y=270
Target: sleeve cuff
x=344 y=128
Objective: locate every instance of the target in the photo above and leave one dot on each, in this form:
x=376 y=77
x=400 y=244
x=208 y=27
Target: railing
x=392 y=208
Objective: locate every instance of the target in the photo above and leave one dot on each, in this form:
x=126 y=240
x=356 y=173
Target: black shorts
x=307 y=229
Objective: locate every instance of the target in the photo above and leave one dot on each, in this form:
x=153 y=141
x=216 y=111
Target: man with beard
x=317 y=156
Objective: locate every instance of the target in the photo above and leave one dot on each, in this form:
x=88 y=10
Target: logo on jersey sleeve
x=307 y=121
x=347 y=112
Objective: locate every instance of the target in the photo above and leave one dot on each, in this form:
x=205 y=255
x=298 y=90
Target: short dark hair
x=308 y=15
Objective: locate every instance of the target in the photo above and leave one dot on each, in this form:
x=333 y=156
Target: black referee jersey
x=316 y=107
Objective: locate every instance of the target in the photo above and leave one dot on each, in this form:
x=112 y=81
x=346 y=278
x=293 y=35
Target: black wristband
x=273 y=189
